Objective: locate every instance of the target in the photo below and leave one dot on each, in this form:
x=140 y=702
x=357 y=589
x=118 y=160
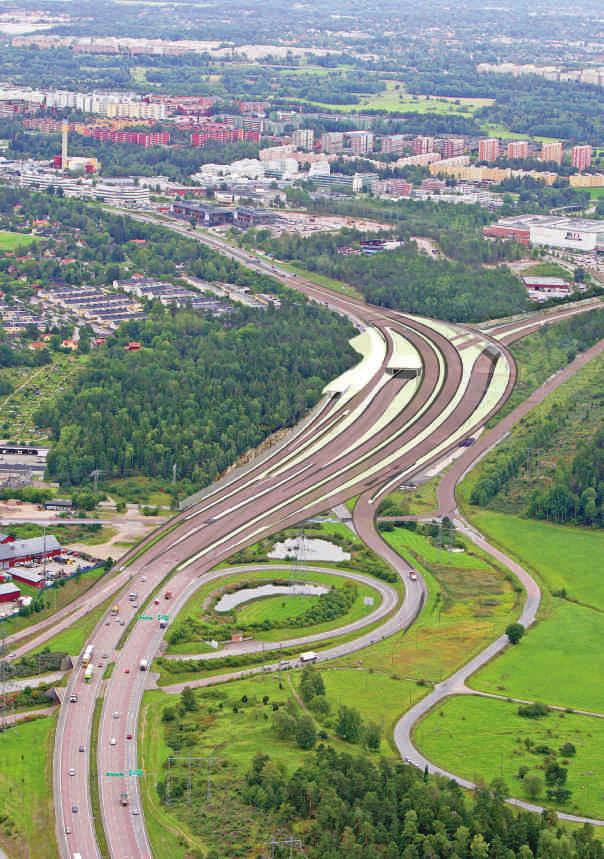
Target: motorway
x=420 y=388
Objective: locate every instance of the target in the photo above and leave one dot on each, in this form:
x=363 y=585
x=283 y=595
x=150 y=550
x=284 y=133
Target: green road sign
x=145 y=617
x=135 y=772
x=163 y=617
x=115 y=774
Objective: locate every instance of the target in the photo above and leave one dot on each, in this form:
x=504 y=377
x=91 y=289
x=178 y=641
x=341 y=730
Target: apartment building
x=581 y=157
x=488 y=149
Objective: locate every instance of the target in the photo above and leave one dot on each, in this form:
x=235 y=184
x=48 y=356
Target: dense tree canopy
x=197 y=394
x=408 y=279
x=353 y=808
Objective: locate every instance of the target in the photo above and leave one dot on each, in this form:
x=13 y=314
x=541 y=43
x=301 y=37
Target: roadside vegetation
x=548 y=350
x=546 y=757
x=26 y=806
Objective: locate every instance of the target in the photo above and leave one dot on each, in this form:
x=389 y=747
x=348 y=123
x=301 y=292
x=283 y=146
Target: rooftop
x=585 y=225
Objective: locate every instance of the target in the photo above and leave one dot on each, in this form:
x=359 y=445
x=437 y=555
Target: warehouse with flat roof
x=579 y=234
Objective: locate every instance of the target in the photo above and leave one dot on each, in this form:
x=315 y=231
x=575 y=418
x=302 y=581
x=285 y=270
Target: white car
x=113 y=741
x=116 y=715
x=71 y=771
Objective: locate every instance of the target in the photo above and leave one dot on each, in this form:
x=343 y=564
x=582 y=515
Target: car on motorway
x=155 y=602
x=82 y=748
x=73 y=698
x=74 y=809
x=122 y=622
x=126 y=671
x=128 y=736
x=143 y=578
x=116 y=715
x=71 y=771
x=467 y=442
x=68 y=830
x=113 y=741
x=413 y=575
x=135 y=811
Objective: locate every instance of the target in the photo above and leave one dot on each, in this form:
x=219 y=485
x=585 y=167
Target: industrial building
x=579 y=234
x=23 y=551
x=9 y=592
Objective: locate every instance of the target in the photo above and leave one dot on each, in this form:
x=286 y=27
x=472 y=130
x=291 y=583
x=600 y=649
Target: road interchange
x=356 y=442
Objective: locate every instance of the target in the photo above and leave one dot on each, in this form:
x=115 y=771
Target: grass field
x=493 y=129
x=546 y=269
x=560 y=657
x=595 y=193
x=469 y=603
x=484 y=739
x=90 y=535
x=9 y=241
x=275 y=609
x=395 y=99
x=563 y=556
x=559 y=661
x=414 y=502
x=26 y=790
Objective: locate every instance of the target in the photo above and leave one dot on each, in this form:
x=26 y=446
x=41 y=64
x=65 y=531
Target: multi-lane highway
x=419 y=389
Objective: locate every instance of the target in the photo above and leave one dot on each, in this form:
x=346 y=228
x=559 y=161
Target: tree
x=349 y=724
x=479 y=848
x=311 y=684
x=533 y=785
x=555 y=774
x=372 y=737
x=514 y=632
x=306 y=734
x=188 y=700
x=284 y=724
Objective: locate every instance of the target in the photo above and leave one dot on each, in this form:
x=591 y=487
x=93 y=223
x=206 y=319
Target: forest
x=408 y=279
x=552 y=465
x=351 y=807
x=198 y=394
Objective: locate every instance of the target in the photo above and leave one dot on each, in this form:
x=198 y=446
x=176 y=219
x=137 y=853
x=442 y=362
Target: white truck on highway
x=309 y=656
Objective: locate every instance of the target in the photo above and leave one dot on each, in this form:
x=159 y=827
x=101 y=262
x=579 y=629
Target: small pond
x=228 y=602
x=308 y=549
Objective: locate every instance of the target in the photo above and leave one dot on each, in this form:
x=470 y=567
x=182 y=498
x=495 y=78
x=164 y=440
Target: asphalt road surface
x=358 y=440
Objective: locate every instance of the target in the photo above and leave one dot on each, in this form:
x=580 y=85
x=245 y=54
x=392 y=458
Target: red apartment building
x=581 y=157
x=139 y=138
x=220 y=133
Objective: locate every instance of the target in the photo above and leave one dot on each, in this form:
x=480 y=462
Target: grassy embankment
x=26 y=807
x=56 y=598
